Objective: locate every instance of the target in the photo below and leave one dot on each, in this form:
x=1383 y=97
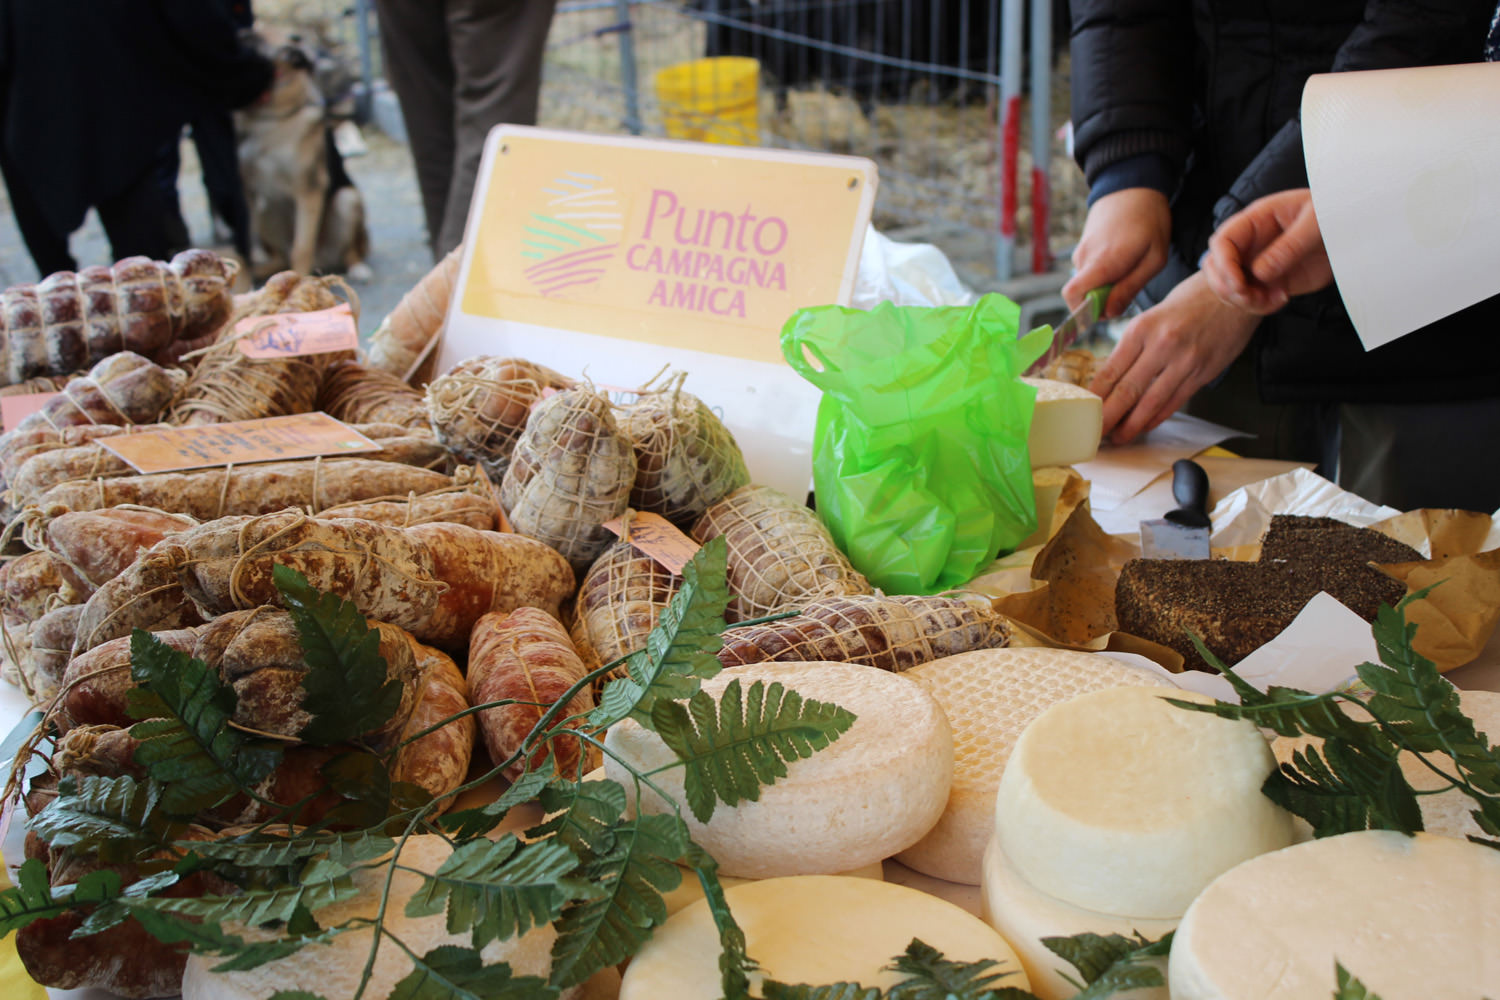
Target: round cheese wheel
x=873 y=791
x=1024 y=916
x=1120 y=802
x=1408 y=916
x=334 y=969
x=1449 y=812
x=812 y=929
x=989 y=696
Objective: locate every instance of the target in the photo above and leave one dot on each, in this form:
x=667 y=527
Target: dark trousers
x=460 y=67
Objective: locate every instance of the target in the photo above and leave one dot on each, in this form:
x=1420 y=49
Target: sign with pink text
x=612 y=257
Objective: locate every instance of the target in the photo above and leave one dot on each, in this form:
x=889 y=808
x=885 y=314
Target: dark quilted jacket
x=1214 y=86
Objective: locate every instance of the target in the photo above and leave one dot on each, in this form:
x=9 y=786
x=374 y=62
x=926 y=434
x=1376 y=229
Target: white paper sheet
x=1242 y=517
x=1402 y=165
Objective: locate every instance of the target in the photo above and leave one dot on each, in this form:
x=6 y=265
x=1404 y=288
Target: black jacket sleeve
x=1393 y=34
x=1131 y=88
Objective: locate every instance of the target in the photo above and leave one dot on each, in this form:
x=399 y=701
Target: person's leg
x=1415 y=455
x=164 y=178
x=419 y=66
x=218 y=153
x=498 y=48
x=138 y=220
x=48 y=248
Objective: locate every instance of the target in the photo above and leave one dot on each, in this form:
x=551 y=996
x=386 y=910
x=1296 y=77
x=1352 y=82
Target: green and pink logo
x=574 y=237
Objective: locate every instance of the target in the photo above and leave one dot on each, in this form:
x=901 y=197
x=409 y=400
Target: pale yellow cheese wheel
x=875 y=790
x=1119 y=802
x=811 y=929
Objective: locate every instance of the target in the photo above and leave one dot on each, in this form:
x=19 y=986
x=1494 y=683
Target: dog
x=305 y=212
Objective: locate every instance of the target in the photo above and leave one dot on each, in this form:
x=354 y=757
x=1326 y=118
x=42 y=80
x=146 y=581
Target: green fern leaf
x=112 y=818
x=498 y=889
x=320 y=884
x=465 y=824
x=346 y=688
x=1111 y=963
x=679 y=652
x=640 y=866
x=452 y=973
x=187 y=743
x=582 y=815
x=1342 y=787
x=930 y=976
x=772 y=990
x=270 y=851
x=32 y=899
x=732 y=749
x=1350 y=988
x=734 y=963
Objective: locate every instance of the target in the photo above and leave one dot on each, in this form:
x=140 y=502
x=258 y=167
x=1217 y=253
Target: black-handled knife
x=1183 y=532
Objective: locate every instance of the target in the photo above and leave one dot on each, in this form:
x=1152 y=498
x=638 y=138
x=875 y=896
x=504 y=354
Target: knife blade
x=1079 y=322
x=1182 y=533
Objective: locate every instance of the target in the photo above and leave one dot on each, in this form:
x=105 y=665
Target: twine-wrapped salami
x=780 y=555
x=480 y=408
x=572 y=470
x=894 y=633
x=619 y=602
x=687 y=460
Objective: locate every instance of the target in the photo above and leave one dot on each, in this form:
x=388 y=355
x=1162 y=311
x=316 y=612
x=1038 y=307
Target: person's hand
x=1166 y=354
x=1124 y=243
x=1268 y=252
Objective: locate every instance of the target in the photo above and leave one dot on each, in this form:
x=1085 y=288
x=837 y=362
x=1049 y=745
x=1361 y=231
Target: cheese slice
x=812 y=929
x=1066 y=424
x=1024 y=916
x=334 y=969
x=990 y=696
x=1449 y=811
x=875 y=790
x=1119 y=802
x=691 y=890
x=1415 y=917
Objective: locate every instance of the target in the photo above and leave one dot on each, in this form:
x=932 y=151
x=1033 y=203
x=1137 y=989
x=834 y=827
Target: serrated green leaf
x=346 y=688
x=582 y=815
x=679 y=651
x=452 y=973
x=1340 y=787
x=930 y=976
x=734 y=964
x=111 y=818
x=732 y=749
x=30 y=899
x=465 y=824
x=772 y=990
x=186 y=742
x=363 y=782
x=1349 y=988
x=1111 y=963
x=321 y=884
x=271 y=851
x=640 y=866
x=499 y=889
x=296 y=995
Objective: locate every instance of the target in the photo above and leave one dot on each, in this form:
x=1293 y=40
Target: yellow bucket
x=712 y=100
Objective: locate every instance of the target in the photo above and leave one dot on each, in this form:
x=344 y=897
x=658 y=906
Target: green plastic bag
x=920 y=462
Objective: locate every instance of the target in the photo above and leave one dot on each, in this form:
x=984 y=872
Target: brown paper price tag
x=14 y=409
x=289 y=335
x=244 y=442
x=656 y=537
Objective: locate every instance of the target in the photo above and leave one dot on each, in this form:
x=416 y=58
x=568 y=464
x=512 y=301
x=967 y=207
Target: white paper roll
x=1405 y=173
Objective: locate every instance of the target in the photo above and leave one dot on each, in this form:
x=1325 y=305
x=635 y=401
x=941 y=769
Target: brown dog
x=305 y=212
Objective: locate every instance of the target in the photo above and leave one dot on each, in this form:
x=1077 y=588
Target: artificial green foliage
x=773 y=990
x=186 y=742
x=112 y=818
x=930 y=976
x=345 y=689
x=465 y=824
x=731 y=748
x=679 y=652
x=499 y=889
x=734 y=963
x=452 y=973
x=639 y=867
x=321 y=883
x=1353 y=781
x=1350 y=988
x=275 y=851
x=582 y=815
x=296 y=995
x=31 y=898
x=1110 y=963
